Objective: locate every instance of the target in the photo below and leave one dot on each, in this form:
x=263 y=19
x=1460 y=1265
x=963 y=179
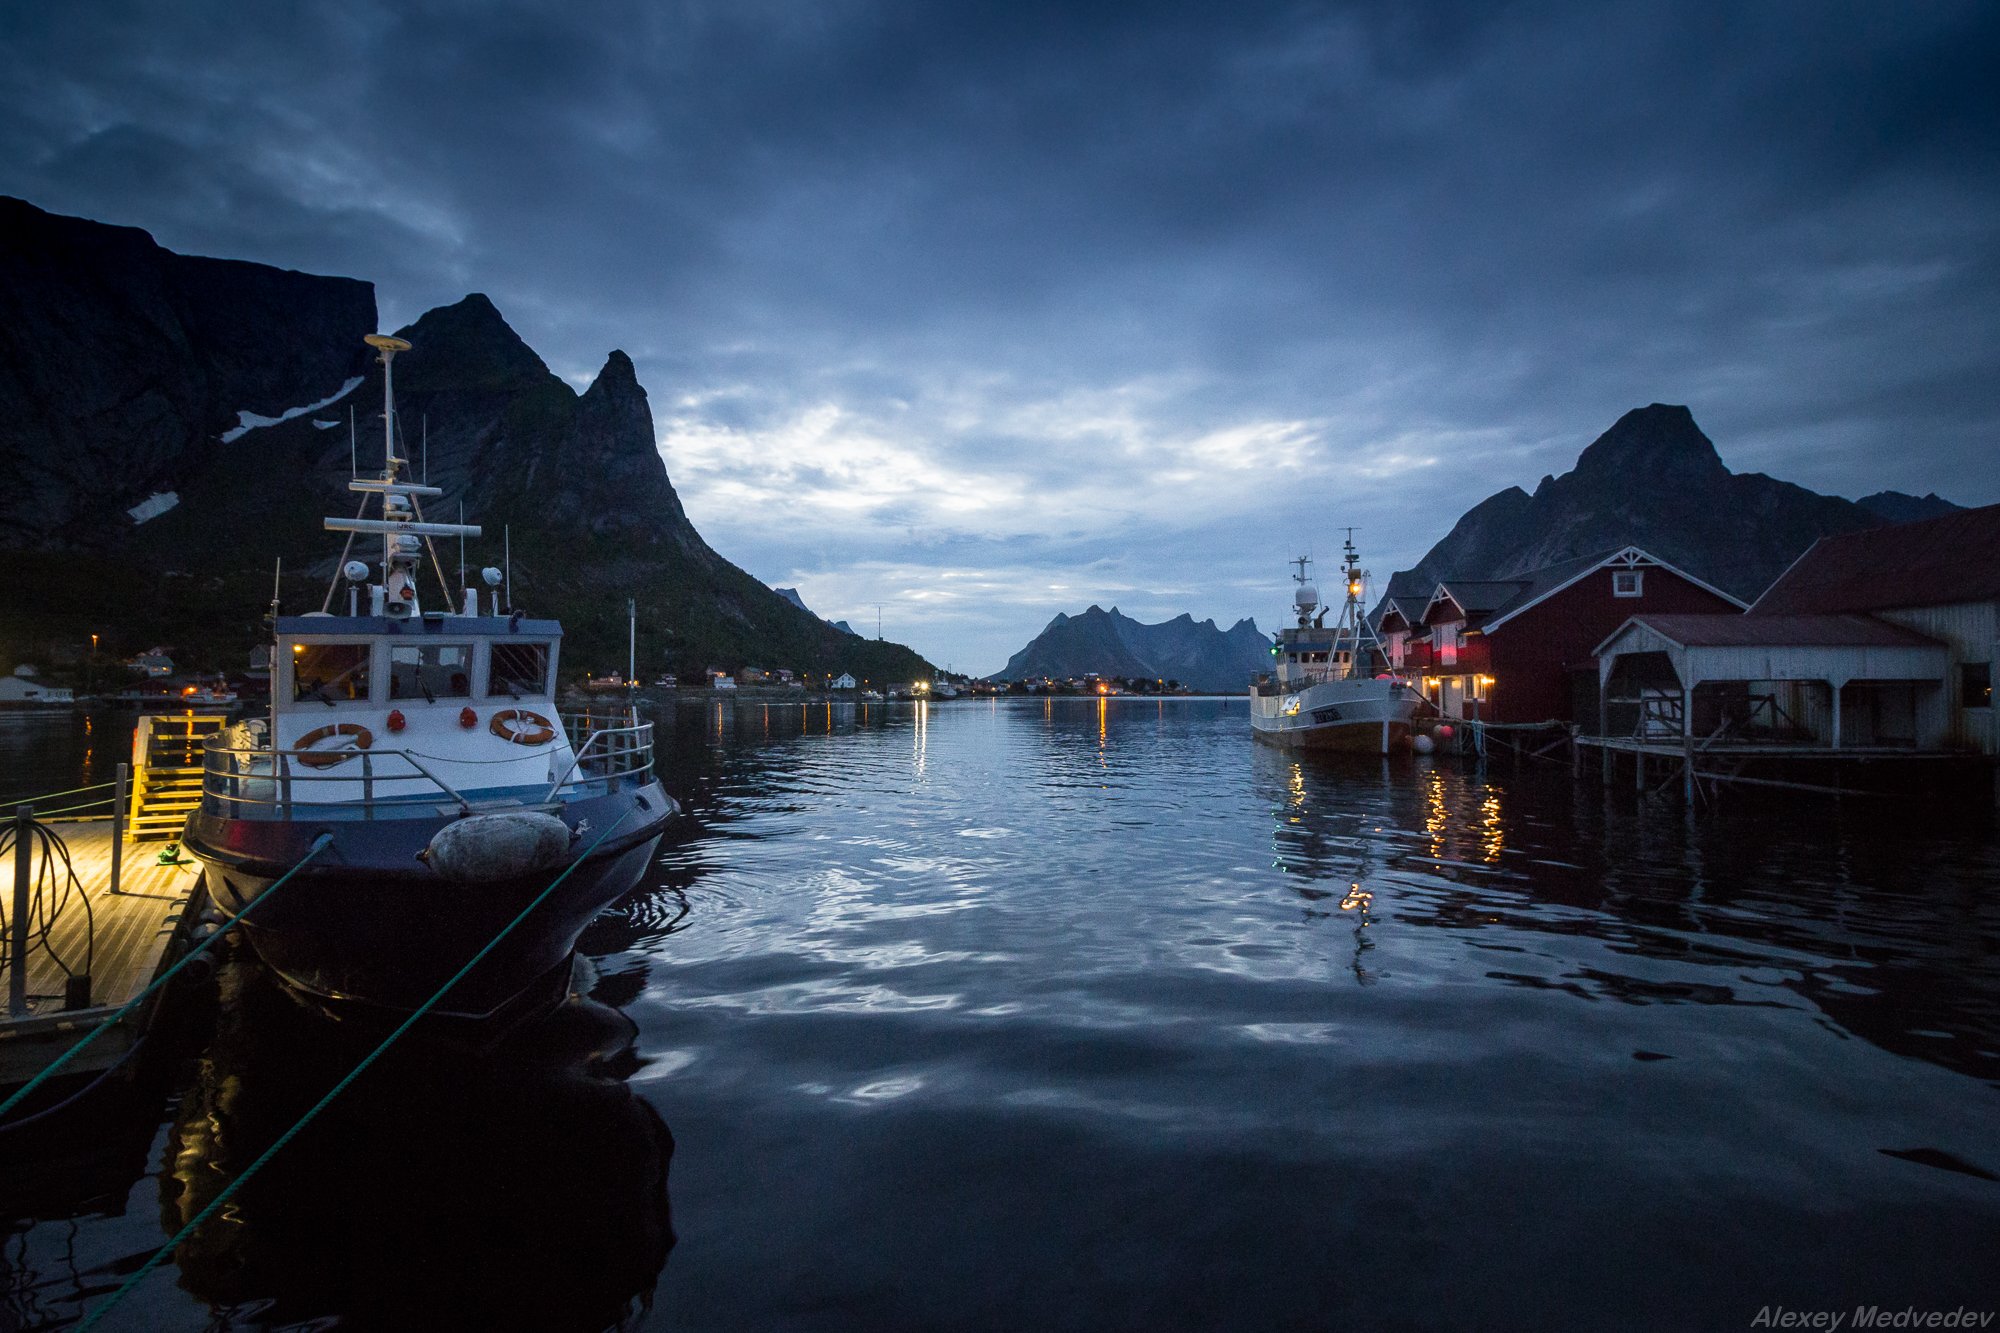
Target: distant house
x=1887 y=638
x=752 y=676
x=785 y=676
x=720 y=680
x=1524 y=649
x=667 y=680
x=841 y=682
x=153 y=663
x=24 y=689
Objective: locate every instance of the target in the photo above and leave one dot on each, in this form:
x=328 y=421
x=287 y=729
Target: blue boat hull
x=365 y=922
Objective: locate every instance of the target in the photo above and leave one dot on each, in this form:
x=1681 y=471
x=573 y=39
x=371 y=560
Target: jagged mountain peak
x=619 y=375
x=474 y=341
x=1896 y=507
x=1657 y=442
x=1653 y=480
x=1110 y=643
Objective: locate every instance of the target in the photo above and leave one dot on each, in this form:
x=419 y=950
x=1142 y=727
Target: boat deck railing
x=242 y=781
x=608 y=749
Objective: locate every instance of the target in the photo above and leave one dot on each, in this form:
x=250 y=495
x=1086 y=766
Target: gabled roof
x=1489 y=604
x=1816 y=631
x=1411 y=609
x=1549 y=580
x=1934 y=562
x=1476 y=597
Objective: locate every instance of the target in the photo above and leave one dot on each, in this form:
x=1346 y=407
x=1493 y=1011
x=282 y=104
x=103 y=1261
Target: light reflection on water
x=1095 y=1014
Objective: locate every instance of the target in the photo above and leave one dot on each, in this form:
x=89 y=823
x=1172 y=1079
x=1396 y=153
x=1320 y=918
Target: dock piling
x=118 y=824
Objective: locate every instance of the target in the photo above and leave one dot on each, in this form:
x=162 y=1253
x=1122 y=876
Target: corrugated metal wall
x=1972 y=629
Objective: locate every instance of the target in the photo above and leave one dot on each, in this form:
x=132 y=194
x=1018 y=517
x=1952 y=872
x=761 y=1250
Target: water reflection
x=1820 y=908
x=1108 y=985
x=524 y=1190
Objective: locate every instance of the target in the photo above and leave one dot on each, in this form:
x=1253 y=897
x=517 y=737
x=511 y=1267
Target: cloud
x=1164 y=291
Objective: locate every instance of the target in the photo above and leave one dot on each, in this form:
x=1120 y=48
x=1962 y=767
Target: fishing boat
x=1331 y=687
x=424 y=750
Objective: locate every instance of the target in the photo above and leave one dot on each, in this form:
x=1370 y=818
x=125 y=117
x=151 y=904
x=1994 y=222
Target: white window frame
x=1628 y=583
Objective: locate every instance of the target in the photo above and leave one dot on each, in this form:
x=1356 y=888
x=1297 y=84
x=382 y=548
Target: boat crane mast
x=405 y=535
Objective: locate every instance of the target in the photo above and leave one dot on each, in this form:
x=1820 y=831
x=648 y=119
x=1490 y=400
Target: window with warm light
x=330 y=672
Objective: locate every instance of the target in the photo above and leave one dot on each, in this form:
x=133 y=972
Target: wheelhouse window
x=1628 y=583
x=330 y=673
x=517 y=669
x=431 y=671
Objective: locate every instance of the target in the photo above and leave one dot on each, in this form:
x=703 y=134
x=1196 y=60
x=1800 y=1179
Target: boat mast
x=401 y=526
x=1353 y=624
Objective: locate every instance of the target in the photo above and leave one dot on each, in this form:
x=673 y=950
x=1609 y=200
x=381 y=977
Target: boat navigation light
x=355 y=570
x=491 y=575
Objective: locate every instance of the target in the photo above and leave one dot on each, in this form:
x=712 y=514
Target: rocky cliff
x=574 y=483
x=792 y=595
x=1654 y=480
x=123 y=364
x=1108 y=643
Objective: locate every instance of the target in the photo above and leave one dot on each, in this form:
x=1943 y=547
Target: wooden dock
x=126 y=939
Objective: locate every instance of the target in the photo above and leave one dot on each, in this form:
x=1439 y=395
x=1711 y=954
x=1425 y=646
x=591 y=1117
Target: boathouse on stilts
x=1876 y=650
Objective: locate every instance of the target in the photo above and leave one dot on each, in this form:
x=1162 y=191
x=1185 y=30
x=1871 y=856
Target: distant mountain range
x=1654 y=480
x=792 y=595
x=1195 y=653
x=170 y=427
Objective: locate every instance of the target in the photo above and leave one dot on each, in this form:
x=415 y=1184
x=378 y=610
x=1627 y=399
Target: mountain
x=1197 y=654
x=1653 y=480
x=112 y=347
x=122 y=364
x=792 y=595
x=1896 y=507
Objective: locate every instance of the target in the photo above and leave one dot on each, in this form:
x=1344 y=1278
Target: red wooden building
x=1523 y=649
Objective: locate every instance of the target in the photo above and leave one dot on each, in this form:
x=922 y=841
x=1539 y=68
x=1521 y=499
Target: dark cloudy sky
x=990 y=311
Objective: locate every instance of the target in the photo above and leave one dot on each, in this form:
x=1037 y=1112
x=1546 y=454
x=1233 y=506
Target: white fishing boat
x=1332 y=688
x=415 y=772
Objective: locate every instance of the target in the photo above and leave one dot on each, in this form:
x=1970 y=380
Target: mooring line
x=320 y=844
x=95 y=1316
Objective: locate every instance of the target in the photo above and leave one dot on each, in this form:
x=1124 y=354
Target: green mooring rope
x=319 y=845
x=96 y=1316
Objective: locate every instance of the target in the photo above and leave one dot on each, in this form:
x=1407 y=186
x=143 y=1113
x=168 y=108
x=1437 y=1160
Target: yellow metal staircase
x=166 y=771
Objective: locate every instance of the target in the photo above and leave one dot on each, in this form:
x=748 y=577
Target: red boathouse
x=1524 y=649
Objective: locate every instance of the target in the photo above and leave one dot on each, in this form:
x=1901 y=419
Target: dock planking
x=125 y=940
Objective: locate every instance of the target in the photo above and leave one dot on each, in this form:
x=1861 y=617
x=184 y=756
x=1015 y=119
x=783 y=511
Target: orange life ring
x=532 y=728
x=363 y=738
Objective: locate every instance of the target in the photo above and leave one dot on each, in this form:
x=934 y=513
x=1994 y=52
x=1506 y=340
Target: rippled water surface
x=1082 y=1015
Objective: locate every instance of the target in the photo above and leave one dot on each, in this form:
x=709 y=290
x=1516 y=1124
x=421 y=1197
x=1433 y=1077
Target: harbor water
x=1095 y=1014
